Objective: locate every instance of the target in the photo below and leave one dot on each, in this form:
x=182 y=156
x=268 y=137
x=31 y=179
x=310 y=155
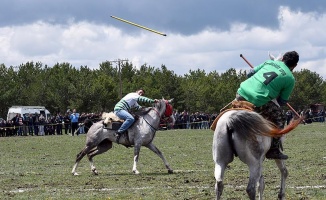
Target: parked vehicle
x=28 y=110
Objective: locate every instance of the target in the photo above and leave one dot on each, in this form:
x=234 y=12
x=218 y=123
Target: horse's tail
x=252 y=122
x=279 y=132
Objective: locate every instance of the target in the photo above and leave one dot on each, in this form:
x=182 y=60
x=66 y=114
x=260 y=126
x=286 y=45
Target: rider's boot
x=274 y=152
x=118 y=135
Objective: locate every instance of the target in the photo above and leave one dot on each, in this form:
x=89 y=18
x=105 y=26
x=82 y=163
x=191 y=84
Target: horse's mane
x=159 y=104
x=143 y=111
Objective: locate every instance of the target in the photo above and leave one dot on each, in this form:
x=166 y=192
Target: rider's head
x=291 y=59
x=141 y=92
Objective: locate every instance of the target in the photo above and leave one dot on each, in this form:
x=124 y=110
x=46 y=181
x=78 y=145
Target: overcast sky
x=208 y=34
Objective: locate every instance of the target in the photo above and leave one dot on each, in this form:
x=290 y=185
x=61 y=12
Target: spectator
x=177 y=119
x=66 y=120
x=289 y=116
x=15 y=124
x=81 y=121
x=36 y=124
x=323 y=115
x=58 y=122
x=2 y=128
x=25 y=123
x=10 y=130
x=41 y=125
x=185 y=120
x=19 y=123
x=53 y=125
x=48 y=127
x=30 y=124
x=74 y=117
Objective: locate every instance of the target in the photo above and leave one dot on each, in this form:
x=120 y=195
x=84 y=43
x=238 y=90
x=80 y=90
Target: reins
x=154 y=129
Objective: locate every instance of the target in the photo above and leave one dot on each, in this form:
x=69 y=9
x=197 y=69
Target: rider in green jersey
x=269 y=87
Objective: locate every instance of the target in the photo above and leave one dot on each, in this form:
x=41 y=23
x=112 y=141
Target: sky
x=208 y=35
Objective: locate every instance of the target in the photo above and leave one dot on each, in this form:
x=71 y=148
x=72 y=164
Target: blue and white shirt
x=130 y=101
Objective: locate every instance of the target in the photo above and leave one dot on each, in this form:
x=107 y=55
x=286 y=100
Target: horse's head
x=164 y=107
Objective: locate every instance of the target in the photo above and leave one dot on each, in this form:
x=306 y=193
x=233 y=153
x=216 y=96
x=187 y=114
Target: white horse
x=248 y=135
x=141 y=133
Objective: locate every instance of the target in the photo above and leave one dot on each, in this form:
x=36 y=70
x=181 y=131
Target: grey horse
x=247 y=135
x=141 y=133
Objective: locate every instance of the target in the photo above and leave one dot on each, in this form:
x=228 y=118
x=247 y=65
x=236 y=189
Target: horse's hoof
x=94 y=171
x=75 y=173
x=170 y=171
x=135 y=172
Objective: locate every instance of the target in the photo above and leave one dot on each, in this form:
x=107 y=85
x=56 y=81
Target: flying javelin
x=134 y=24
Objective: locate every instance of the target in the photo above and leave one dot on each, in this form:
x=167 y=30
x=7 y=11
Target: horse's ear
x=271 y=56
x=170 y=101
x=279 y=57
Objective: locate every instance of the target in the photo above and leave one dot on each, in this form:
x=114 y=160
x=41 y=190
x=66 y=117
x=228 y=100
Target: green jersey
x=272 y=79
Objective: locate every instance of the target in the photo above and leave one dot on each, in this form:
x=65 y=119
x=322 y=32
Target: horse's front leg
x=136 y=156
x=284 y=174
x=152 y=147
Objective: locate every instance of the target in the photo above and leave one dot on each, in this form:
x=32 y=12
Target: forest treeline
x=64 y=86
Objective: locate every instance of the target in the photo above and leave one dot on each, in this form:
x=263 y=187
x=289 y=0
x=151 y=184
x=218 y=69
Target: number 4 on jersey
x=269 y=76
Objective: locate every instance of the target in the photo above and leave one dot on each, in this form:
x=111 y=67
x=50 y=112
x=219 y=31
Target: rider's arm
x=145 y=99
x=281 y=101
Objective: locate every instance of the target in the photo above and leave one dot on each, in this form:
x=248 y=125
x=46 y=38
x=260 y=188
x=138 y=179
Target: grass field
x=40 y=168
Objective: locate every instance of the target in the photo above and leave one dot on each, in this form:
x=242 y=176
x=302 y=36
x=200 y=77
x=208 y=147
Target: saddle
x=112 y=122
x=235 y=105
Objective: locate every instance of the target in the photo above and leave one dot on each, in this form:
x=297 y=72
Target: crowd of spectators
x=38 y=125
x=310 y=116
x=58 y=124
x=196 y=120
x=201 y=120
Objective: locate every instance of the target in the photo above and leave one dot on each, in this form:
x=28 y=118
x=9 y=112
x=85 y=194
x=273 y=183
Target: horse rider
x=128 y=102
x=268 y=87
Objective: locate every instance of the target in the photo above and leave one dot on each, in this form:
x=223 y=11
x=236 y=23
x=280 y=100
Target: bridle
x=164 y=117
x=157 y=112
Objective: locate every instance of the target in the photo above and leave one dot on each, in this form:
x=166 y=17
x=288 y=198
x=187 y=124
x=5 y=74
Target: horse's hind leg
x=152 y=147
x=254 y=177
x=104 y=146
x=80 y=156
x=261 y=186
x=284 y=174
x=219 y=174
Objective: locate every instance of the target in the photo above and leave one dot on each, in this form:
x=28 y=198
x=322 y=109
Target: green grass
x=40 y=168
